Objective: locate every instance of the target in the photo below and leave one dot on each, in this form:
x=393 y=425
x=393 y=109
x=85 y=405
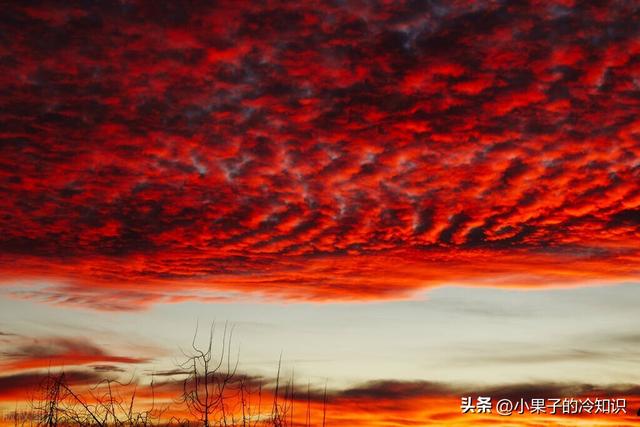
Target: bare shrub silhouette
x=108 y=403
x=212 y=392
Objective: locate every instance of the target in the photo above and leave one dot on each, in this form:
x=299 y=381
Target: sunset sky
x=411 y=201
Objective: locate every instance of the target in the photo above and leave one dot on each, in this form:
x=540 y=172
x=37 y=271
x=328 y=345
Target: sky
x=411 y=201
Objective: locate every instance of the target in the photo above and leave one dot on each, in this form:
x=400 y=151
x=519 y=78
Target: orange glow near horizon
x=344 y=411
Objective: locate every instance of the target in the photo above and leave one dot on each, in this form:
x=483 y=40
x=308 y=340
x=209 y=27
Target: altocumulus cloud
x=317 y=151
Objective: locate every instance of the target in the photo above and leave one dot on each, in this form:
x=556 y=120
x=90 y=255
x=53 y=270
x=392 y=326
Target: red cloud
x=317 y=152
x=57 y=352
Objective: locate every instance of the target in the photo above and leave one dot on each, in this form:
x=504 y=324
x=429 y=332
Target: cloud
x=108 y=368
x=395 y=390
x=120 y=298
x=401 y=390
x=58 y=352
x=407 y=403
x=16 y=387
x=317 y=151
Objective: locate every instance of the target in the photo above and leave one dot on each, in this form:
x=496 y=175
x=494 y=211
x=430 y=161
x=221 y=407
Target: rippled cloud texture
x=331 y=152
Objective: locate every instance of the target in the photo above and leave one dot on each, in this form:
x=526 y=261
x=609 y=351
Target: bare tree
x=209 y=377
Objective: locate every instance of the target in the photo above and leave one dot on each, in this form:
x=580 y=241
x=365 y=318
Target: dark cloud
x=558 y=390
x=396 y=390
x=18 y=386
x=27 y=353
x=107 y=368
x=407 y=390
